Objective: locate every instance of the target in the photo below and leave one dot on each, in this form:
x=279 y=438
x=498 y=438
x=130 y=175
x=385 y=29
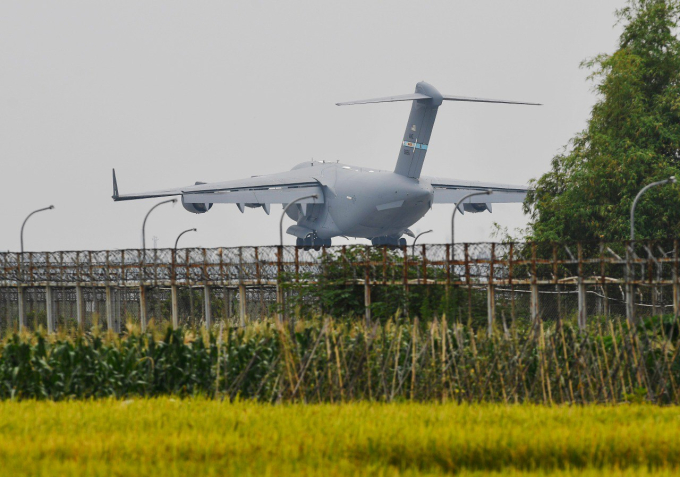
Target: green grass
x=186 y=437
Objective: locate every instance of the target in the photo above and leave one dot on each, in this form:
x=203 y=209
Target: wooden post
x=242 y=304
x=22 y=310
x=80 y=309
x=175 y=306
x=142 y=307
x=49 y=308
x=206 y=304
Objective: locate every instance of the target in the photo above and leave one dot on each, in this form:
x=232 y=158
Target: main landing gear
x=312 y=242
x=392 y=242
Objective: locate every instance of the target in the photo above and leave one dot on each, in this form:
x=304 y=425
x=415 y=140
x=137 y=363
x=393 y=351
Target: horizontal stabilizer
x=447 y=97
x=388 y=99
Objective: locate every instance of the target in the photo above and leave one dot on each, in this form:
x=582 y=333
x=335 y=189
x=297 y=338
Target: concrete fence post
x=49 y=308
x=111 y=321
x=21 y=302
x=206 y=303
x=80 y=308
x=582 y=312
x=175 y=306
x=534 y=303
x=143 y=319
x=491 y=308
x=242 y=304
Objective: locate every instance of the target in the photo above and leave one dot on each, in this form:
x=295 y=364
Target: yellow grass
x=168 y=437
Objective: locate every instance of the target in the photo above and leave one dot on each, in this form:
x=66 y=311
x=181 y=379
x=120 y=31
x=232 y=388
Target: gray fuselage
x=362 y=202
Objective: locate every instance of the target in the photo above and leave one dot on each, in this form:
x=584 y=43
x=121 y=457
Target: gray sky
x=170 y=93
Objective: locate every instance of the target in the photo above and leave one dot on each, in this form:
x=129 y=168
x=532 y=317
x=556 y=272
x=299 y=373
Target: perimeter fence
x=490 y=284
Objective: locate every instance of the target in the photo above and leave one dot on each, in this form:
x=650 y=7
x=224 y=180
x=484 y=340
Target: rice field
x=170 y=436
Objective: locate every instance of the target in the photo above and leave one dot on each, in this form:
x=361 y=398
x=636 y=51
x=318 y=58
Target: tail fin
x=426 y=101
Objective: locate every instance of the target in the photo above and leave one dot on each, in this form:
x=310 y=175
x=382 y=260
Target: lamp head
x=672 y=180
x=489 y=192
x=51 y=207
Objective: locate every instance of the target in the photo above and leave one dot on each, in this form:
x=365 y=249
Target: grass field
x=207 y=437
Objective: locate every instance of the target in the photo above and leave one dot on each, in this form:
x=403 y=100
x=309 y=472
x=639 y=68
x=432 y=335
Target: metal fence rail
x=194 y=285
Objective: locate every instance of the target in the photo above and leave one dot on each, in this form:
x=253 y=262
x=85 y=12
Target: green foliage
x=327 y=361
x=632 y=139
x=335 y=293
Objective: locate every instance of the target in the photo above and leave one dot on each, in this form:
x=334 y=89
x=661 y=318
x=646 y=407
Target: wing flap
x=277 y=195
x=451 y=191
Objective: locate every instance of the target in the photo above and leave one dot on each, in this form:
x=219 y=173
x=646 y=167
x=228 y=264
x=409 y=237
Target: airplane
x=332 y=199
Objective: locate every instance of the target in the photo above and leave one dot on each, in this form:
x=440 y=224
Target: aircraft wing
x=451 y=191
x=270 y=189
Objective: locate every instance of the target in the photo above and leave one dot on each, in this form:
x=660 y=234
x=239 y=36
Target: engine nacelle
x=196 y=208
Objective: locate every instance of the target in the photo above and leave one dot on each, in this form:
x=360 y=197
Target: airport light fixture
x=458 y=204
x=413 y=246
x=26 y=220
x=670 y=180
x=283 y=214
x=147 y=216
x=178 y=237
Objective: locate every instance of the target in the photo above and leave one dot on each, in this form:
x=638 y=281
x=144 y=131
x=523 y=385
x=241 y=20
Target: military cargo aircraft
x=332 y=199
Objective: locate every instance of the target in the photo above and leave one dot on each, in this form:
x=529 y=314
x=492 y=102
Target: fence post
x=582 y=312
x=581 y=304
x=534 y=302
x=367 y=289
x=206 y=301
x=142 y=306
x=110 y=322
x=227 y=303
x=630 y=289
x=49 y=308
x=22 y=310
x=80 y=311
x=491 y=307
x=534 y=286
x=490 y=294
x=175 y=306
x=279 y=288
x=676 y=288
x=242 y=304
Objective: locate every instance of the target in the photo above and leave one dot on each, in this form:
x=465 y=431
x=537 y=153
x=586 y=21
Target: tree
x=632 y=139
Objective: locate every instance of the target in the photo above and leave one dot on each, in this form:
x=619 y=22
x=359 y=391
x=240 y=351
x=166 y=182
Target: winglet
x=115 y=186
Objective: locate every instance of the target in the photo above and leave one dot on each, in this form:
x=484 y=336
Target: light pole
x=453 y=216
x=147 y=216
x=413 y=246
x=670 y=180
x=26 y=219
x=313 y=196
x=188 y=230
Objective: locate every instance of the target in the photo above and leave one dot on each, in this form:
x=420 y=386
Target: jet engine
x=196 y=208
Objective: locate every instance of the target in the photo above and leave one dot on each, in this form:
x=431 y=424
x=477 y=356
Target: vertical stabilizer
x=418 y=131
x=426 y=101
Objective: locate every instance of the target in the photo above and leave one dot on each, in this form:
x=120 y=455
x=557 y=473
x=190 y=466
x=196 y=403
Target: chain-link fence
x=495 y=282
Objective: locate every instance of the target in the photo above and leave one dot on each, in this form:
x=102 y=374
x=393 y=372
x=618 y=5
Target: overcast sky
x=170 y=93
